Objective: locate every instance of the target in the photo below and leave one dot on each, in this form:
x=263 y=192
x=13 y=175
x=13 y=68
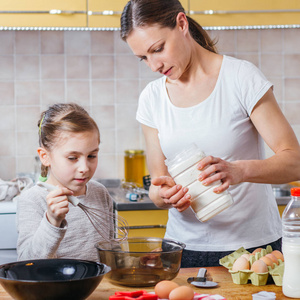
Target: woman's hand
x=214 y=169
x=171 y=193
x=58 y=205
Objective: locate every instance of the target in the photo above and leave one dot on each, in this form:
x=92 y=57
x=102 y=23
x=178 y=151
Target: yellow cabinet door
x=107 y=14
x=103 y=13
x=42 y=13
x=149 y=223
x=244 y=12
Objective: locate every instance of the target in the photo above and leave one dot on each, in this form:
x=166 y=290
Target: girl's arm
x=163 y=190
x=282 y=167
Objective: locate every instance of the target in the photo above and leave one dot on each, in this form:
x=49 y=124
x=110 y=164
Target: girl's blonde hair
x=63 y=117
x=139 y=13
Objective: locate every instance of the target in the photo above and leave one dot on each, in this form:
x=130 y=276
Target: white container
x=291 y=246
x=183 y=169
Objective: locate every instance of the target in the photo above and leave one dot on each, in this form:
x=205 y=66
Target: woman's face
x=164 y=50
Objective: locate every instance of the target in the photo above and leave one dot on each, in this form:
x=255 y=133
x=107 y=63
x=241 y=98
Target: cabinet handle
x=146 y=226
x=51 y=12
x=105 y=13
x=224 y=12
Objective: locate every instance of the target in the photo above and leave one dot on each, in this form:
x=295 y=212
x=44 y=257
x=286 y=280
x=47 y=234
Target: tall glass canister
x=134 y=166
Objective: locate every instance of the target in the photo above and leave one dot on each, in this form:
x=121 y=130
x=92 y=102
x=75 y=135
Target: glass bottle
x=134 y=166
x=291 y=246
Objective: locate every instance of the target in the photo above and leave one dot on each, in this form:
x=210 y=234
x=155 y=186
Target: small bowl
x=46 y=279
x=141 y=261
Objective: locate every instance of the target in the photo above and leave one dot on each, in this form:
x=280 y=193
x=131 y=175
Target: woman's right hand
x=58 y=205
x=172 y=193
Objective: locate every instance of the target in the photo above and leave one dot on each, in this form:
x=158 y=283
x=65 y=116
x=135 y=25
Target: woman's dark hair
x=139 y=13
x=63 y=117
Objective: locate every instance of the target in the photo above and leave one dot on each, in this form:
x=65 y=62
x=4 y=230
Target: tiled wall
x=97 y=70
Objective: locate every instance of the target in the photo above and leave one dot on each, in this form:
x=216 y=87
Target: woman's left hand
x=214 y=169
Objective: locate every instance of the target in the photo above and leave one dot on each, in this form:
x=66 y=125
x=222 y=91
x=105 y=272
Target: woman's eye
x=159 y=49
x=92 y=156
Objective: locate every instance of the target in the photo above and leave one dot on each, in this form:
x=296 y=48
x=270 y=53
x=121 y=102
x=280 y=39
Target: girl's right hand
x=172 y=193
x=58 y=205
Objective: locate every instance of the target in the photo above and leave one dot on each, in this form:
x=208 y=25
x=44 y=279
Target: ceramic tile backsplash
x=97 y=70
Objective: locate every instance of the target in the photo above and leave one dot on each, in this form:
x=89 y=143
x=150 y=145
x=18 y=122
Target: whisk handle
x=49 y=187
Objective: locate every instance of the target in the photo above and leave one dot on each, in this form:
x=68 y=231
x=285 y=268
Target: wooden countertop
x=225 y=288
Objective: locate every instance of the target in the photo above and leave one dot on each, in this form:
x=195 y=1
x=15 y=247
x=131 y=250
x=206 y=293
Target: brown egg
x=240 y=264
x=259 y=266
x=257 y=250
x=164 y=288
x=246 y=255
x=268 y=261
x=278 y=254
x=182 y=293
x=273 y=257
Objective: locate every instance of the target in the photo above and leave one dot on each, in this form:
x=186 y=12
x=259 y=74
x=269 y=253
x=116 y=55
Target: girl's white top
x=219 y=126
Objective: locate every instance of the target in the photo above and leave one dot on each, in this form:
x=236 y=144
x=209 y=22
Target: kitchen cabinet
x=245 y=13
x=42 y=13
x=148 y=223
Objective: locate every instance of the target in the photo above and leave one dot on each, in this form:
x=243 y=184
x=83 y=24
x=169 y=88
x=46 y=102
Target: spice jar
x=134 y=166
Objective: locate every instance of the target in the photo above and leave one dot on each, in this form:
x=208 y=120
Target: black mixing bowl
x=49 y=279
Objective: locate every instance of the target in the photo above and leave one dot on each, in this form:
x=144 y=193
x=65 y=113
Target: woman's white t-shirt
x=219 y=126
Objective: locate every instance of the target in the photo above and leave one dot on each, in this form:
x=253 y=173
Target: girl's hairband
x=40 y=127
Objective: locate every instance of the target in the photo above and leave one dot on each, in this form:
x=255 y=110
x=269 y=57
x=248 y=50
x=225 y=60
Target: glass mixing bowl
x=141 y=261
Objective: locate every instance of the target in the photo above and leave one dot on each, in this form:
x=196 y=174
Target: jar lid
x=132 y=151
x=295 y=192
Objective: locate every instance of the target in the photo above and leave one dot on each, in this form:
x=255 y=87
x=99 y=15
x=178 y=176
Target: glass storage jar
x=134 y=166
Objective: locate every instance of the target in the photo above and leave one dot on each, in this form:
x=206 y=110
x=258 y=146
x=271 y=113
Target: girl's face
x=73 y=160
x=162 y=49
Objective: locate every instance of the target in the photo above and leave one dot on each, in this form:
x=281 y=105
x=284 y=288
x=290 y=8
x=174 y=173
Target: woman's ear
x=44 y=156
x=182 y=22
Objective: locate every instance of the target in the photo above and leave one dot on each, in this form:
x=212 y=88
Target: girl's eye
x=143 y=58
x=72 y=158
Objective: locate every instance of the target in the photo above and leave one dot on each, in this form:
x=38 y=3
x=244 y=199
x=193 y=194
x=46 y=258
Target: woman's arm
x=282 y=167
x=163 y=190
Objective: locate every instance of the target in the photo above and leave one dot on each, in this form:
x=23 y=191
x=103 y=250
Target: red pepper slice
x=134 y=295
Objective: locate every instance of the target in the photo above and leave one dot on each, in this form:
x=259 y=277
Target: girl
x=227 y=108
x=49 y=227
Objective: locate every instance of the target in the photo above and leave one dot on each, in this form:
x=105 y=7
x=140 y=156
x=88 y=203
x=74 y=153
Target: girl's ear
x=182 y=22
x=44 y=156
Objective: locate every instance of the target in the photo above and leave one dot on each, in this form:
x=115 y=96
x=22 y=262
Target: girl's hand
x=58 y=205
x=171 y=193
x=214 y=169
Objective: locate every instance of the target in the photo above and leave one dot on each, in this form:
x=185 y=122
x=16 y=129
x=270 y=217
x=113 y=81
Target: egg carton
x=244 y=276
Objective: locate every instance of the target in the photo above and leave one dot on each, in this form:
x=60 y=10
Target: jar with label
x=291 y=246
x=183 y=169
x=134 y=166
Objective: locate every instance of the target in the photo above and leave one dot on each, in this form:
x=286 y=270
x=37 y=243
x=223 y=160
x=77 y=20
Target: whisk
x=97 y=218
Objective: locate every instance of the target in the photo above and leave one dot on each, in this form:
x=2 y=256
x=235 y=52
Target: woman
x=227 y=108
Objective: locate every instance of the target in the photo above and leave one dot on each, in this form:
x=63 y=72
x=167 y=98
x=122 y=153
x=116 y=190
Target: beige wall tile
x=102 y=42
x=27 y=92
x=77 y=42
x=121 y=47
x=291 y=65
x=52 y=91
x=27 y=118
x=27 y=67
x=6 y=67
x=107 y=141
x=27 y=143
x=225 y=40
x=248 y=40
x=7 y=39
x=292 y=89
x=7 y=143
x=52 y=67
x=291 y=41
x=27 y=42
x=7 y=118
x=52 y=42
x=7 y=93
x=78 y=91
x=25 y=164
x=78 y=67
x=272 y=64
x=103 y=67
x=254 y=58
x=8 y=167
x=125 y=114
x=292 y=113
x=106 y=166
x=127 y=91
x=271 y=40
x=104 y=116
x=146 y=72
x=127 y=139
x=277 y=87
x=126 y=66
x=103 y=92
